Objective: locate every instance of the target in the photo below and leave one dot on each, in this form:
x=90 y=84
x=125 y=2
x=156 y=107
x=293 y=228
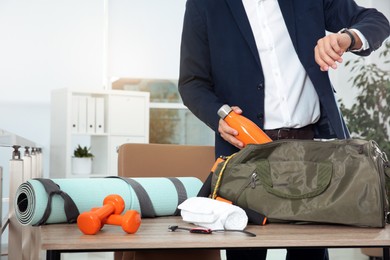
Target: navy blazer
x=220 y=64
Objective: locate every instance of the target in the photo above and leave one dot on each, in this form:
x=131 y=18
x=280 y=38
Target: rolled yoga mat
x=31 y=198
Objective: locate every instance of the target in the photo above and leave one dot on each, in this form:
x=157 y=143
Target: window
x=170 y=121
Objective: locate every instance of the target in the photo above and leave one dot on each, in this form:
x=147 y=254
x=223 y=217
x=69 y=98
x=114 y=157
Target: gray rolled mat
x=31 y=198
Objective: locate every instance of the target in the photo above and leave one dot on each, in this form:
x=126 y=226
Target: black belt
x=306 y=132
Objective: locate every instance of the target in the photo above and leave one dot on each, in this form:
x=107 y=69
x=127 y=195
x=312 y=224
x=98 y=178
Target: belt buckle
x=280 y=131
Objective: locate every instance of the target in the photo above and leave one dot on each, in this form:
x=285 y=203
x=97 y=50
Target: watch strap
x=353 y=40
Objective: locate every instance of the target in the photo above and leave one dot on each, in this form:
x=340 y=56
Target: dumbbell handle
x=112 y=204
x=104 y=211
x=114 y=220
x=129 y=222
x=92 y=221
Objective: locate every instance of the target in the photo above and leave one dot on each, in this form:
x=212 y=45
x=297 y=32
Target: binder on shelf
x=82 y=114
x=75 y=114
x=90 y=115
x=99 y=115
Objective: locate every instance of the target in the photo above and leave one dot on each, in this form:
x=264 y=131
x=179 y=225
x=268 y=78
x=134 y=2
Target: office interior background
x=93 y=45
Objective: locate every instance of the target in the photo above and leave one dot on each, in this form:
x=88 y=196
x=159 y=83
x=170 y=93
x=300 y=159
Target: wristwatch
x=349 y=33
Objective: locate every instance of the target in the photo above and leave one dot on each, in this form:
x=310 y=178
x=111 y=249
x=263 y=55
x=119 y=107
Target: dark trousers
x=292 y=254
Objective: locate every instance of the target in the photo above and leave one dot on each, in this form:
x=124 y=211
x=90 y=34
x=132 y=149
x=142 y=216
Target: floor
x=274 y=254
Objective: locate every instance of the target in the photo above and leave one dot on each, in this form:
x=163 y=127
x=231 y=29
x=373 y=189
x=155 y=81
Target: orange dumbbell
x=130 y=221
x=92 y=221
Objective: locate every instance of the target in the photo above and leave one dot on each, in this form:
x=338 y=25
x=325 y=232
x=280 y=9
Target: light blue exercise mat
x=165 y=194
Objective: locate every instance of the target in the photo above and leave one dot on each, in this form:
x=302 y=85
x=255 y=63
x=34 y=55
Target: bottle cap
x=224 y=111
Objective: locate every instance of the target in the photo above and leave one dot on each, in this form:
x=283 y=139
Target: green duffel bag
x=336 y=181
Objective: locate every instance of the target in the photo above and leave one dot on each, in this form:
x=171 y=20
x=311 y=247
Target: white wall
x=45 y=45
x=48 y=44
x=144 y=38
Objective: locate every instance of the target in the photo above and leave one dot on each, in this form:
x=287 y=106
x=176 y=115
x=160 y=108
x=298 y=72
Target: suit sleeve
x=195 y=79
x=369 y=21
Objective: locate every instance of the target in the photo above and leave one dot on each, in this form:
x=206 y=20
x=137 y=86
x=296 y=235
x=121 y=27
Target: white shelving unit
x=101 y=120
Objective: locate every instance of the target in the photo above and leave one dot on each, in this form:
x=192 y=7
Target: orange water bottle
x=248 y=132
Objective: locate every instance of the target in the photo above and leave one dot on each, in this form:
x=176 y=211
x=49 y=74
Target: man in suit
x=269 y=60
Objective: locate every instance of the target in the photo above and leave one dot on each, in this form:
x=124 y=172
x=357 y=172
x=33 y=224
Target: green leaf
x=369 y=117
x=82 y=152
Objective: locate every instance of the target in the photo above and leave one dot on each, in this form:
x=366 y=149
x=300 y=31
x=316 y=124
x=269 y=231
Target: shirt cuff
x=365 y=44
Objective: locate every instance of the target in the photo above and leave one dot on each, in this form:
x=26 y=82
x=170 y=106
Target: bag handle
x=214 y=195
x=324 y=175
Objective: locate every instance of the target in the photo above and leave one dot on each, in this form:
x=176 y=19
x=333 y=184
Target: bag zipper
x=252 y=182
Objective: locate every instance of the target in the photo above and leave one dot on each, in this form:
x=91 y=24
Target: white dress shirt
x=290 y=98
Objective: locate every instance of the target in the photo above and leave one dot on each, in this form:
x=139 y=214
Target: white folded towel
x=213 y=214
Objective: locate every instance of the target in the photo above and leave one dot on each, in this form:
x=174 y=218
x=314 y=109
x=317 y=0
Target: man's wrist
x=351 y=36
x=361 y=41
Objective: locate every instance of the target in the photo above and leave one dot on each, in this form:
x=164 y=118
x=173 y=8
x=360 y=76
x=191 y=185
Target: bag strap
x=324 y=175
x=387 y=168
x=255 y=217
x=214 y=195
x=145 y=203
x=71 y=210
x=205 y=190
x=181 y=192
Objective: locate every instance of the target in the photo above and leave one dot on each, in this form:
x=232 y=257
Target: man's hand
x=330 y=49
x=229 y=134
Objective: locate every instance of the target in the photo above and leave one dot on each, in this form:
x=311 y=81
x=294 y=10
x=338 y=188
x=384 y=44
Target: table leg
x=53 y=255
x=386 y=255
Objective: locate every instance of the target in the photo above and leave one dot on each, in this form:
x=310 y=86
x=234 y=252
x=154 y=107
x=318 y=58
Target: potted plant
x=82 y=160
x=369 y=117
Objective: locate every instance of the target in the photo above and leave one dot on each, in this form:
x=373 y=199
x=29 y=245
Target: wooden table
x=154 y=234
